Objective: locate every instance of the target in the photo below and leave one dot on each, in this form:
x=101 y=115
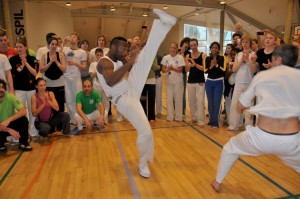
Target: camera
x=260 y=33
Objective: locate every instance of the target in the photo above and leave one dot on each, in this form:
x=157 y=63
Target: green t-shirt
x=89 y=103
x=8 y=106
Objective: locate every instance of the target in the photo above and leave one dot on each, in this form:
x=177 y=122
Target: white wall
x=42 y=18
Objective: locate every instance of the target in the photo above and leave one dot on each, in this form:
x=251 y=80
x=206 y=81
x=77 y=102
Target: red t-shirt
x=10 y=53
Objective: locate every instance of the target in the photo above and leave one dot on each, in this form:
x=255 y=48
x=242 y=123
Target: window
x=206 y=36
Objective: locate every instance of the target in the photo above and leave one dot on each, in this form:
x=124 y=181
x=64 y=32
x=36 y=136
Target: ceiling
x=206 y=12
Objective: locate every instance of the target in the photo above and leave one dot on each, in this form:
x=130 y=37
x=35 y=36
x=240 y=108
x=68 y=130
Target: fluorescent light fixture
x=222 y=2
x=165 y=7
x=112 y=8
x=68 y=4
x=145 y=14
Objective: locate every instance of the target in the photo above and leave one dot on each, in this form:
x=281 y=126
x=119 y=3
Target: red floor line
x=37 y=173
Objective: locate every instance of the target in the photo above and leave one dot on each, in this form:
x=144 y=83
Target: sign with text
x=17 y=17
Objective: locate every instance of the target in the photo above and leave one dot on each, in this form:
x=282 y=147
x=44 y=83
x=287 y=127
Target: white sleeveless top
x=120 y=88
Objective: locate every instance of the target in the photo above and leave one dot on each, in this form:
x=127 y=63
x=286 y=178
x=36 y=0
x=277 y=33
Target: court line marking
x=38 y=171
x=11 y=167
x=125 y=163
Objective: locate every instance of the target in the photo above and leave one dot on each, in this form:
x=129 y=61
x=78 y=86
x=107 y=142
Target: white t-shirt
x=244 y=75
x=4 y=66
x=105 y=51
x=277 y=93
x=78 y=56
x=96 y=82
x=41 y=51
x=176 y=61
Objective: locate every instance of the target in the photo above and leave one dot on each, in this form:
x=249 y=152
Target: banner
x=17 y=18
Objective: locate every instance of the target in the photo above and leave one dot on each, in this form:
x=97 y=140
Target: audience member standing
x=52 y=66
x=5 y=73
x=24 y=70
x=76 y=61
x=184 y=50
x=97 y=85
x=158 y=87
x=84 y=45
x=172 y=65
x=196 y=83
x=4 y=48
x=215 y=67
x=264 y=55
x=44 y=49
x=244 y=66
x=149 y=92
x=101 y=43
x=229 y=78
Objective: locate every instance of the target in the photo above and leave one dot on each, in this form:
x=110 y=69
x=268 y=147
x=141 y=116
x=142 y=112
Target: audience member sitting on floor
x=12 y=123
x=44 y=107
x=88 y=104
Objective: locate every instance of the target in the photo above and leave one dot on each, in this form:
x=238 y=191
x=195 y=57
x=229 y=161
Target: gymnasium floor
x=103 y=164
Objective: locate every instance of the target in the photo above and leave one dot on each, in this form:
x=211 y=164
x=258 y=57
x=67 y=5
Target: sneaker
x=75 y=131
x=144 y=170
x=3 y=149
x=25 y=147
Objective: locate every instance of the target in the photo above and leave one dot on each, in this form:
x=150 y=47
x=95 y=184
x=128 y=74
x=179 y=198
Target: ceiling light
x=165 y=7
x=145 y=14
x=112 y=8
x=68 y=4
x=222 y=2
x=196 y=13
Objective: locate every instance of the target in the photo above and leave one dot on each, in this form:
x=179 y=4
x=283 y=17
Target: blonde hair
x=247 y=37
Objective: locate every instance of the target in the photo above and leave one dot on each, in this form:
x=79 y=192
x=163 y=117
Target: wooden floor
x=103 y=164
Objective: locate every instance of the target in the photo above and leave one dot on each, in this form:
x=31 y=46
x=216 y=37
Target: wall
x=42 y=18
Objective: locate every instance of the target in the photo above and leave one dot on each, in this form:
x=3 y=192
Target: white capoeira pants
x=72 y=86
x=25 y=98
x=196 y=94
x=93 y=116
x=235 y=116
x=254 y=141
x=129 y=103
x=174 y=100
x=158 y=92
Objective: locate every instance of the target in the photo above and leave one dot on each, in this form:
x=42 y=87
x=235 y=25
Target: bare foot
x=216 y=186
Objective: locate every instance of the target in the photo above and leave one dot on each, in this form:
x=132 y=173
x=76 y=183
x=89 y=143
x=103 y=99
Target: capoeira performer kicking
x=277 y=132
x=125 y=92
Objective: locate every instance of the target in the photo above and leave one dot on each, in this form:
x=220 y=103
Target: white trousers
x=129 y=103
x=105 y=102
x=25 y=98
x=72 y=86
x=227 y=106
x=196 y=97
x=158 y=94
x=235 y=117
x=254 y=141
x=174 y=95
x=94 y=116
